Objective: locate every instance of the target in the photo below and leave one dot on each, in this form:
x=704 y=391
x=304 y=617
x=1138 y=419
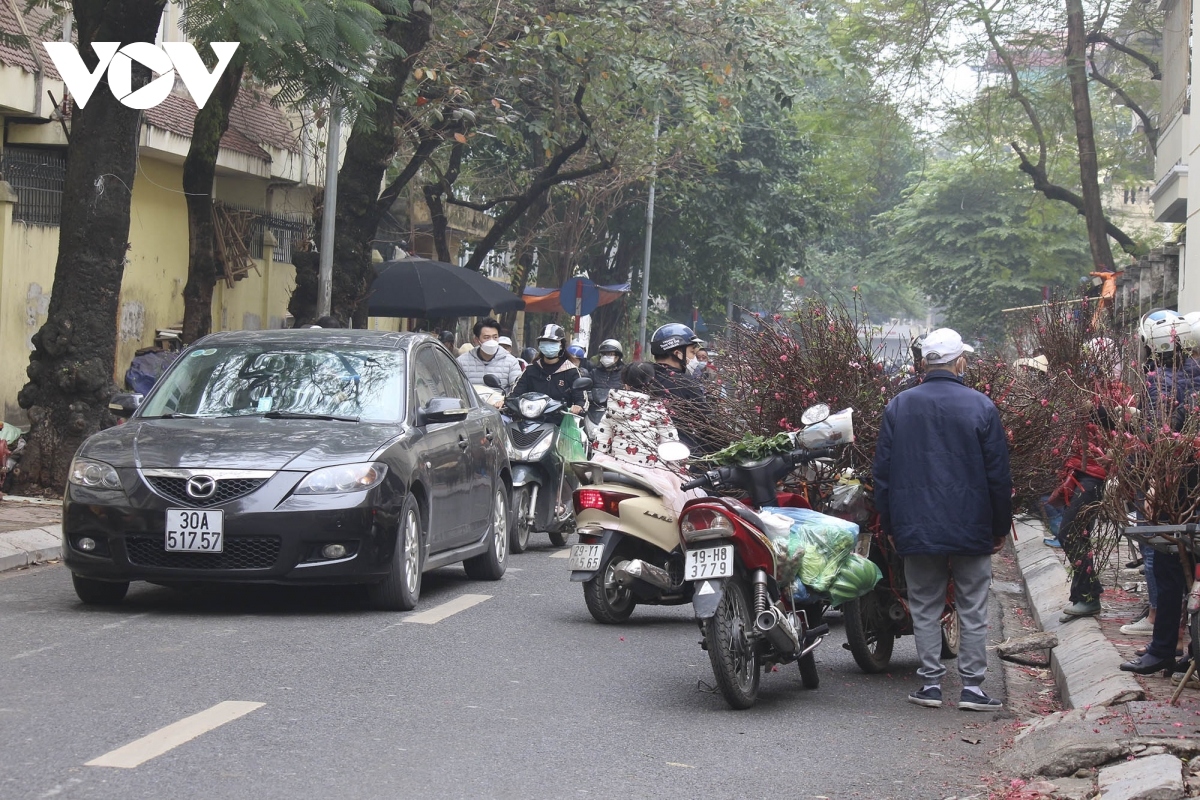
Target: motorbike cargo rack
x=1166 y=538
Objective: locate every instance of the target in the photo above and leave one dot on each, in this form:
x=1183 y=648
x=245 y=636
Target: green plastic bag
x=572 y=441
x=856 y=578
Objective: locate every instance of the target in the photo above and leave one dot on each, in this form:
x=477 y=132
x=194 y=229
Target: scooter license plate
x=709 y=562
x=586 y=557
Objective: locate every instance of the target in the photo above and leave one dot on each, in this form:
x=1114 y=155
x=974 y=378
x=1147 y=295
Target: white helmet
x=1193 y=319
x=1163 y=329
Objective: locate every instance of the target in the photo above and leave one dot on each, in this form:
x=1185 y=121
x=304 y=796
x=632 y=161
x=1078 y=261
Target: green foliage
x=974 y=239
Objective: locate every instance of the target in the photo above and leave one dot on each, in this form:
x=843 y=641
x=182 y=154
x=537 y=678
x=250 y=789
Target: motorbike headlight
x=540 y=449
x=532 y=409
x=93 y=474
x=343 y=478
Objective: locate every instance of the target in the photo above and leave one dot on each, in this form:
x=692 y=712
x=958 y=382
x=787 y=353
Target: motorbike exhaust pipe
x=629 y=572
x=778 y=630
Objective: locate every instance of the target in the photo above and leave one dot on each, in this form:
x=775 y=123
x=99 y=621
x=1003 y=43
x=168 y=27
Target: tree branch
x=1014 y=85
x=1053 y=191
x=1096 y=37
x=1148 y=126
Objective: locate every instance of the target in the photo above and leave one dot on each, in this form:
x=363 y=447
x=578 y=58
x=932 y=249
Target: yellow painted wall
x=257 y=302
x=27 y=253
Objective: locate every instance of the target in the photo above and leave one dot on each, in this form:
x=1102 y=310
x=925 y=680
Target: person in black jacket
x=674 y=347
x=552 y=374
x=607 y=374
x=944 y=495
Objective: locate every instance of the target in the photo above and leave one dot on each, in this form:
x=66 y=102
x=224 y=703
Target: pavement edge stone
x=1085 y=663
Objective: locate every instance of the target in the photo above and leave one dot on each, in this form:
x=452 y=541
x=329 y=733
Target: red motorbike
x=747 y=618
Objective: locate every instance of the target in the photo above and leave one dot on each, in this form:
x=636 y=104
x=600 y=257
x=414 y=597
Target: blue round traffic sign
x=576 y=301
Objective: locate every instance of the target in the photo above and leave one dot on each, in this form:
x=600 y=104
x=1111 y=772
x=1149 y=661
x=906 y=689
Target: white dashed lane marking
x=164 y=739
x=449 y=608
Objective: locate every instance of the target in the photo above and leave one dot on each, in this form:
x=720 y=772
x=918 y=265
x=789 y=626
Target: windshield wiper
x=297 y=415
x=175 y=415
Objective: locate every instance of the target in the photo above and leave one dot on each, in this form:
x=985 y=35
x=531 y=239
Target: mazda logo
x=201 y=487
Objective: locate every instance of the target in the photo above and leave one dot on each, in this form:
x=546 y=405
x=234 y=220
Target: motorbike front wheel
x=730 y=649
x=608 y=601
x=868 y=633
x=951 y=634
x=521 y=528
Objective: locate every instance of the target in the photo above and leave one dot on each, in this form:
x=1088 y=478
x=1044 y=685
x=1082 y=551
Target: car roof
x=318 y=336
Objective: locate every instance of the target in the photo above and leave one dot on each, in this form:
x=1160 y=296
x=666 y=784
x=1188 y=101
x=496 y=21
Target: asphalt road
x=517 y=695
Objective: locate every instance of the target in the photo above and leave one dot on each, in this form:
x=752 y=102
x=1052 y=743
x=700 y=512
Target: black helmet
x=529 y=355
x=553 y=332
x=611 y=346
x=671 y=336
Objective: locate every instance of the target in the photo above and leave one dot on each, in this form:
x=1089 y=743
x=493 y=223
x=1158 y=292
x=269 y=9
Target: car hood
x=239 y=443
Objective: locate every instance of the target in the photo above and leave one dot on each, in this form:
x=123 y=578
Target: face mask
x=550 y=349
x=489 y=346
x=608 y=361
x=693 y=364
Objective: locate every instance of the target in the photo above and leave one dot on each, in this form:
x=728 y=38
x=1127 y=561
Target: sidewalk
x=1119 y=734
x=30 y=531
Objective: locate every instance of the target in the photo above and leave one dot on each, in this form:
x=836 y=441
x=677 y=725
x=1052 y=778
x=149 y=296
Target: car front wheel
x=99 y=593
x=401 y=589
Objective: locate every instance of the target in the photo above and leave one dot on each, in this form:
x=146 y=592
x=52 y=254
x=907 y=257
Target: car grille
x=227 y=489
x=254 y=552
x=523 y=439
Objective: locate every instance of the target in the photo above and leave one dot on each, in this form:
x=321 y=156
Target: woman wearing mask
x=552 y=374
x=607 y=375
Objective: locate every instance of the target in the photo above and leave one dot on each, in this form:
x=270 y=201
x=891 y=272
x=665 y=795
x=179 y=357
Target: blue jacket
x=942 y=482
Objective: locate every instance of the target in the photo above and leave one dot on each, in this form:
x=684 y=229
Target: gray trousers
x=927 y=576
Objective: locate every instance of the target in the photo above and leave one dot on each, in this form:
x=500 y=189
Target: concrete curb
x=20 y=548
x=1085 y=663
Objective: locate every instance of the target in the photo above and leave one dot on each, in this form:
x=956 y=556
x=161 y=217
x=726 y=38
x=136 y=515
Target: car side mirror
x=492 y=381
x=582 y=384
x=442 y=409
x=123 y=405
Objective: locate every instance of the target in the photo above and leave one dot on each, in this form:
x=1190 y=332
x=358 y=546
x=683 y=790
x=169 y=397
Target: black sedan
x=293 y=456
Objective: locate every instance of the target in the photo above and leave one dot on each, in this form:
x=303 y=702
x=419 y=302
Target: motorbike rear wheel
x=559 y=538
x=734 y=660
x=867 y=633
x=609 y=602
x=520 y=529
x=951 y=634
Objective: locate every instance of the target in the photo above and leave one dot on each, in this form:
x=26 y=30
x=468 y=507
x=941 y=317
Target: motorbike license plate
x=193 y=531
x=586 y=557
x=710 y=562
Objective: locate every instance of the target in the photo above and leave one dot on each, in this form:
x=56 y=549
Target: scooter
x=748 y=620
x=542 y=438
x=628 y=551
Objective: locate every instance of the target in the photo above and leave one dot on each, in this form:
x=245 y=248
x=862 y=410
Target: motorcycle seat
x=621 y=479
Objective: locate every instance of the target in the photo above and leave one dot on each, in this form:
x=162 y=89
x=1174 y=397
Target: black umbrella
x=420 y=287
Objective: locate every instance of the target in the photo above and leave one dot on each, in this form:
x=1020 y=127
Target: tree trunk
x=608 y=322
x=437 y=209
x=1093 y=210
x=370 y=149
x=199 y=171
x=71 y=367
x=303 y=303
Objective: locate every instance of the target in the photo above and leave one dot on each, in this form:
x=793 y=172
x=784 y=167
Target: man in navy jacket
x=944 y=494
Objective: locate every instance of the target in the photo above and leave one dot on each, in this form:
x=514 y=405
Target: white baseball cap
x=944 y=346
x=505 y=341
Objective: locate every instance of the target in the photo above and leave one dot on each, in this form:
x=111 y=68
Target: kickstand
x=1187 y=676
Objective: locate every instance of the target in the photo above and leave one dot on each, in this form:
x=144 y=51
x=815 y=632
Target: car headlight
x=343 y=478
x=93 y=474
x=532 y=409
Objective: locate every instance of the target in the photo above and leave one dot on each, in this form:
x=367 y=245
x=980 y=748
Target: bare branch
x=1148 y=126
x=1096 y=37
x=1014 y=85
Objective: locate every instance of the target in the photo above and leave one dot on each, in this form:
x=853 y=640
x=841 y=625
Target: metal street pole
x=325 y=273
x=649 y=238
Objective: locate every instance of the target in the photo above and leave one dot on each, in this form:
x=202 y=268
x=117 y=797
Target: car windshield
x=239 y=380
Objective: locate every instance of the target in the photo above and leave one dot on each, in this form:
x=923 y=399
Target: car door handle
x=463 y=443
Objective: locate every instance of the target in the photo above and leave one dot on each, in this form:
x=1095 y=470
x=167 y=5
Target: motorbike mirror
x=582 y=383
x=814 y=414
x=673 y=451
x=492 y=381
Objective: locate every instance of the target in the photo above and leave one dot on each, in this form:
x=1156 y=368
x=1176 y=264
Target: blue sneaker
x=929 y=697
x=1052 y=542
x=977 y=701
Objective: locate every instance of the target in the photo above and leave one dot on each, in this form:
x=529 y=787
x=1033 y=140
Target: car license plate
x=709 y=562
x=193 y=531
x=586 y=557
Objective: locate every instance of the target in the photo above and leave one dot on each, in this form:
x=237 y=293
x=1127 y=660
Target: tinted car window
x=454 y=381
x=245 y=380
x=428 y=382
